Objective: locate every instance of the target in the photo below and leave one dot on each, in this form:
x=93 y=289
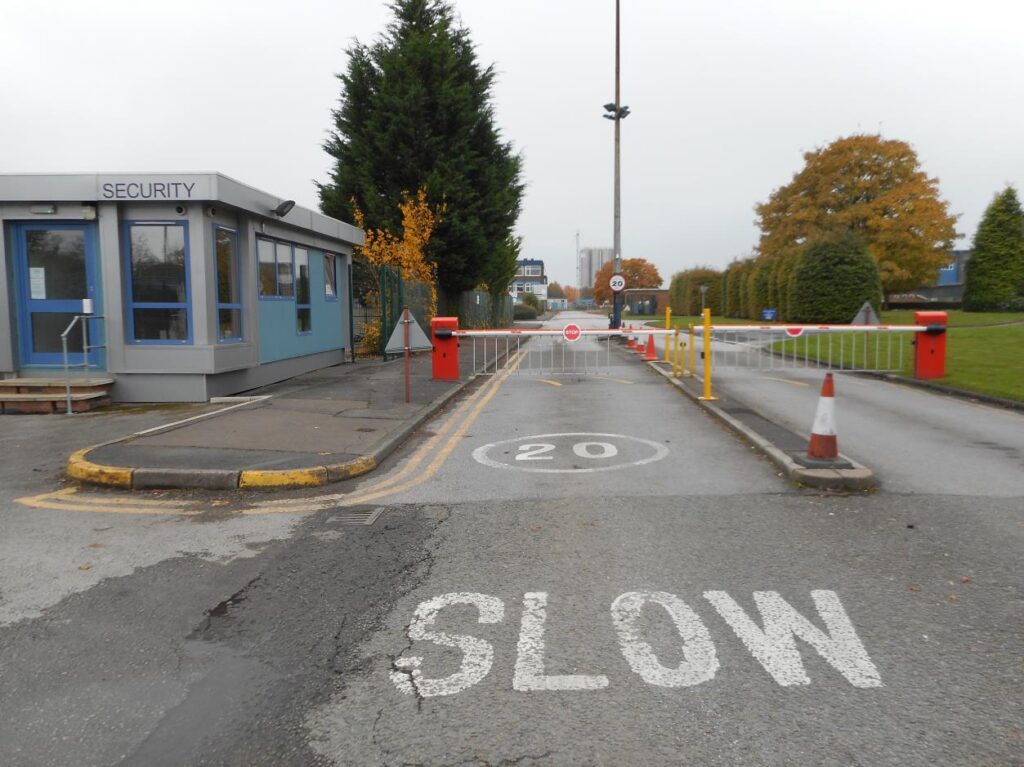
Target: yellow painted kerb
x=313 y=477
x=81 y=468
x=361 y=465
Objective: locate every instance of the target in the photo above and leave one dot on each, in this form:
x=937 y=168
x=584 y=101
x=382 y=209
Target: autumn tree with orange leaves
x=639 y=273
x=406 y=254
x=872 y=187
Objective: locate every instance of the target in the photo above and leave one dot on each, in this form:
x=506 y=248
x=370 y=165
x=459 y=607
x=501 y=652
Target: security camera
x=211 y=211
x=181 y=210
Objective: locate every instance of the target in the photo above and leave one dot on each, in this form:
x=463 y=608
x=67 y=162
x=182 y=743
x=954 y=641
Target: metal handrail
x=86 y=348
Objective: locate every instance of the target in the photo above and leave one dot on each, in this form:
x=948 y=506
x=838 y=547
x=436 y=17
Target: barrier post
x=930 y=345
x=706 y=355
x=668 y=324
x=677 y=353
x=693 y=353
x=445 y=362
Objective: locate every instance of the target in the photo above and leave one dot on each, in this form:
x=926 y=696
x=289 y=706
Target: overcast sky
x=725 y=96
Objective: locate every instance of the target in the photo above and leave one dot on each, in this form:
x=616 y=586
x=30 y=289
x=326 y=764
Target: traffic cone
x=823 y=445
x=630 y=341
x=650 y=355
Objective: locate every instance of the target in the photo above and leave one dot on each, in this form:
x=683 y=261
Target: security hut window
x=229 y=301
x=303 y=315
x=275 y=259
x=330 y=277
x=158 y=300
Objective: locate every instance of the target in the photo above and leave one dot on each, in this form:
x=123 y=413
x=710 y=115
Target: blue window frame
x=330 y=277
x=229 y=295
x=276 y=269
x=158 y=284
x=303 y=311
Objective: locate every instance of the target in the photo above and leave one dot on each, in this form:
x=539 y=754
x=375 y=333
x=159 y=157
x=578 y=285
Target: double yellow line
x=71 y=499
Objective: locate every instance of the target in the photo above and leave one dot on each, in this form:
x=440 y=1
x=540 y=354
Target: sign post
x=407 y=336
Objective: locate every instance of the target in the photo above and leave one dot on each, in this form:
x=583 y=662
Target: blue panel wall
x=279 y=337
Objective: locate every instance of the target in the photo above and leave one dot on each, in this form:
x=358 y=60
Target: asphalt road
x=565 y=569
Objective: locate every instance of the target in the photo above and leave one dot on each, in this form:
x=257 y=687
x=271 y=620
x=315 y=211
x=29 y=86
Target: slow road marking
x=770 y=637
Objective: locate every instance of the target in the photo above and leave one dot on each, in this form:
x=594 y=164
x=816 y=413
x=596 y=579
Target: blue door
x=55 y=267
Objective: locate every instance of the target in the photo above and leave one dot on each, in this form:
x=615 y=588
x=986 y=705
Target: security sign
x=571 y=332
x=617 y=283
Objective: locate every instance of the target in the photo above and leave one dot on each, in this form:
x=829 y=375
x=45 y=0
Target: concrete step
x=20 y=396
x=27 y=384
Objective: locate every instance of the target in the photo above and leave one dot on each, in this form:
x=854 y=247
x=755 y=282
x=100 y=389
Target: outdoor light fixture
x=282 y=210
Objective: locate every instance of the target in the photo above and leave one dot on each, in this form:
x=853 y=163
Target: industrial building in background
x=589 y=262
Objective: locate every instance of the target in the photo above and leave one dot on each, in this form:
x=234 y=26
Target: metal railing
x=852 y=348
x=86 y=348
x=545 y=351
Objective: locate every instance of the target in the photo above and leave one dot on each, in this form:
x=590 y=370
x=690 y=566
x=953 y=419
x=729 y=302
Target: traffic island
x=783 y=447
x=323 y=427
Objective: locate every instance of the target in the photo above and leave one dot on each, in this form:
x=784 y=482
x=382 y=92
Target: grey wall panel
x=167 y=358
x=110 y=258
x=244 y=380
x=160 y=387
x=235 y=356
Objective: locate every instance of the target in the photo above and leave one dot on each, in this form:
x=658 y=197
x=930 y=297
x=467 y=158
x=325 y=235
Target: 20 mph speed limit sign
x=617 y=283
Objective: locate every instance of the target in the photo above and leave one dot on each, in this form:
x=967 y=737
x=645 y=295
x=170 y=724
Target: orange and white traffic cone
x=824 y=445
x=650 y=355
x=630 y=341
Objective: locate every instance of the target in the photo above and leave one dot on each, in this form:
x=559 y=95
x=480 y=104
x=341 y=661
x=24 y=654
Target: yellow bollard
x=693 y=346
x=706 y=355
x=668 y=324
x=677 y=353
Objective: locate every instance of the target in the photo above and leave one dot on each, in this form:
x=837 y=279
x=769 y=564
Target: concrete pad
x=324 y=406
x=274 y=429
x=191 y=458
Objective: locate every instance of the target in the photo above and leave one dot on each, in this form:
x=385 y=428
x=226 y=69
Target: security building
x=196 y=285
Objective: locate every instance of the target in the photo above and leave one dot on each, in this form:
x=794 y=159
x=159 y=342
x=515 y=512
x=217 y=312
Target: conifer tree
x=995 y=273
x=416 y=113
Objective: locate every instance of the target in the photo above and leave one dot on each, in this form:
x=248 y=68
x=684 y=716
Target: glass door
x=56 y=271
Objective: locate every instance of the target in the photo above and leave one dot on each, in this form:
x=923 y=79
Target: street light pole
x=617 y=112
x=617 y=257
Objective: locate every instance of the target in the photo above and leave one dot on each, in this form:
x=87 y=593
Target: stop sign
x=571 y=332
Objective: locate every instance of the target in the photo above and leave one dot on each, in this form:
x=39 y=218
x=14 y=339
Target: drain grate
x=356 y=515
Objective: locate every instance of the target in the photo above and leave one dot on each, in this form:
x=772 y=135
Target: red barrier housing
x=930 y=345
x=446 y=348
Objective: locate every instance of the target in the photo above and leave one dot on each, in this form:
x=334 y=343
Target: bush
x=524 y=311
x=532 y=301
x=832 y=278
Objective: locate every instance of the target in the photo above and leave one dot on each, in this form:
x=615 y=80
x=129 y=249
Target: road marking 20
x=597 y=449
x=772 y=643
x=535 y=451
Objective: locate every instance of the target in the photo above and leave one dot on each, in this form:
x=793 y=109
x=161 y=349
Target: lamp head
x=283 y=208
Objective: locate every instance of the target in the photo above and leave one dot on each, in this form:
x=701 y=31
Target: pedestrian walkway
x=321 y=427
